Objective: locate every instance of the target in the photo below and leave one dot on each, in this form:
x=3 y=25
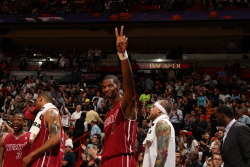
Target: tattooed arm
x=163 y=132
x=52 y=120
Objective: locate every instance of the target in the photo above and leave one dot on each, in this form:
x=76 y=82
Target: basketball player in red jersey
x=14 y=146
x=48 y=146
x=120 y=121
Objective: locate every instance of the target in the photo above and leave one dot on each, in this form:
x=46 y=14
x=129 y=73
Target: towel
x=35 y=128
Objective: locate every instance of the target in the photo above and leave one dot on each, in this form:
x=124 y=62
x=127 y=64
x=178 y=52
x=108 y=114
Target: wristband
x=123 y=56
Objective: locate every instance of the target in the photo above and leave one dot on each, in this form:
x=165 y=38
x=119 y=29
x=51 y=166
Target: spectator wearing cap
x=69 y=156
x=80 y=95
x=30 y=112
x=86 y=105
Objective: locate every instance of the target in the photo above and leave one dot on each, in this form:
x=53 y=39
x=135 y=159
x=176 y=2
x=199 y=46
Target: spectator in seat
x=103 y=110
x=149 y=83
x=192 y=160
x=30 y=112
x=206 y=79
x=69 y=156
x=205 y=145
x=140 y=160
x=86 y=105
x=94 y=129
x=178 y=159
x=201 y=123
x=59 y=100
x=76 y=115
x=192 y=143
x=217 y=160
x=142 y=131
x=202 y=101
x=182 y=150
x=93 y=116
x=209 y=163
x=100 y=99
x=219 y=134
x=243 y=118
x=145 y=99
x=176 y=118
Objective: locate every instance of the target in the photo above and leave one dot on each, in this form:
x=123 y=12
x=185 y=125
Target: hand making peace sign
x=121 y=40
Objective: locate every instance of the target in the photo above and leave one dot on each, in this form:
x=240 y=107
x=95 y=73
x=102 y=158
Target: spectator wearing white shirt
x=65 y=117
x=76 y=115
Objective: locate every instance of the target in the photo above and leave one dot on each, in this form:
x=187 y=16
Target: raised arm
x=52 y=119
x=128 y=101
x=163 y=132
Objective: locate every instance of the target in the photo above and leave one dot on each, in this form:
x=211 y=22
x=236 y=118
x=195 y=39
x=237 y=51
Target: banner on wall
x=61 y=77
x=88 y=77
x=20 y=75
x=163 y=65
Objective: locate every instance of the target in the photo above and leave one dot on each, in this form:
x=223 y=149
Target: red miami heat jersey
x=120 y=133
x=15 y=149
x=52 y=158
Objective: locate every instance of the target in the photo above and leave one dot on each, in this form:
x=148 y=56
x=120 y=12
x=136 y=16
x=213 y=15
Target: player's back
x=52 y=158
x=15 y=149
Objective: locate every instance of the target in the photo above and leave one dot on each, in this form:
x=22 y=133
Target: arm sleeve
x=244 y=142
x=98 y=118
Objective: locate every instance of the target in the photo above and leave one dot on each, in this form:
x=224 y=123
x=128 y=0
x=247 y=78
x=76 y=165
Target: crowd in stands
x=193 y=96
x=89 y=6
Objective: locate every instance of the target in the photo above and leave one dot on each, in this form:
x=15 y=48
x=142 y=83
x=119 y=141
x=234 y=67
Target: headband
x=157 y=104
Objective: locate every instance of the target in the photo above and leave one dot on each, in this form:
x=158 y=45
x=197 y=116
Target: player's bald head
x=113 y=77
x=47 y=96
